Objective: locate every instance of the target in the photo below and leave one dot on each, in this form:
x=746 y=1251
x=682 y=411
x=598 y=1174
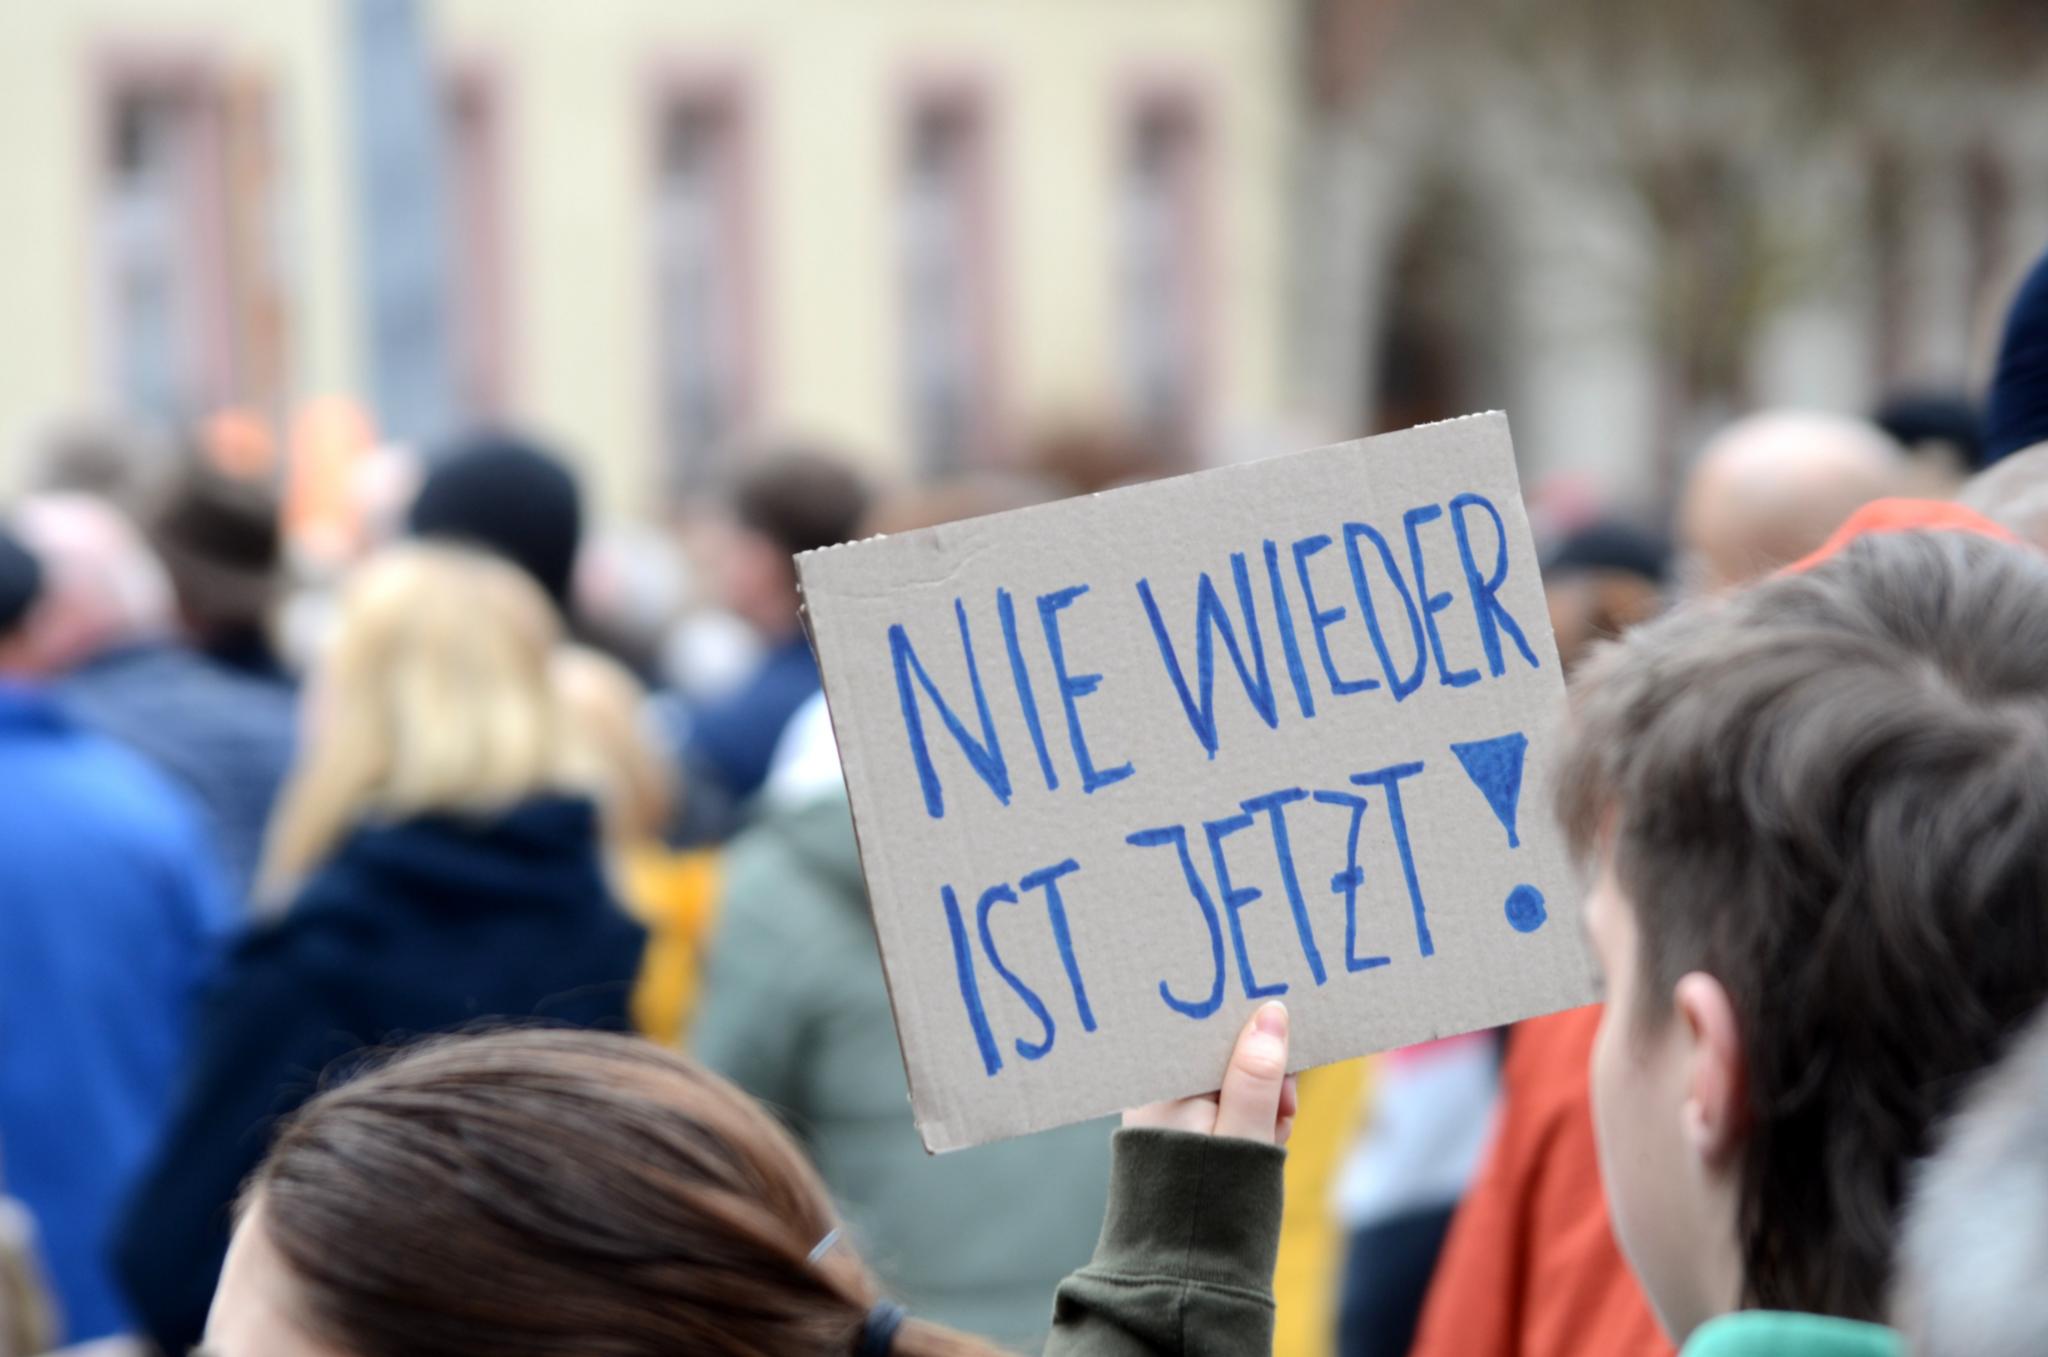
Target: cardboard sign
x=1125 y=766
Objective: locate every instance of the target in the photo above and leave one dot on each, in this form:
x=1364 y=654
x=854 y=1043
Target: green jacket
x=796 y=1012
x=1767 y=1333
x=1185 y=1263
x=1185 y=1266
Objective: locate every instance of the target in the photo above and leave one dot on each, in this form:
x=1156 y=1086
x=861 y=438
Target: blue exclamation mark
x=1495 y=767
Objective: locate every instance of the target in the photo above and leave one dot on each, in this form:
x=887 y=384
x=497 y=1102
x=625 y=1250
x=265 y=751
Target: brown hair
x=561 y=1194
x=800 y=499
x=1828 y=793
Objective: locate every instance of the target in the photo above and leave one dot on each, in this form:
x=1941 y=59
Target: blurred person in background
x=2016 y=410
x=791 y=501
x=218 y=536
x=28 y=1324
x=796 y=1011
x=112 y=915
x=443 y=865
x=106 y=640
x=126 y=463
x=1974 y=1245
x=1426 y=1126
x=1942 y=435
x=2013 y=492
x=1769 y=488
x=1600 y=581
x=1083 y=457
x=509 y=495
x=2013 y=487
x=630 y=586
x=1432 y=1106
x=672 y=892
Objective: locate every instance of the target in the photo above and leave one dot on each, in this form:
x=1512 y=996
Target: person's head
x=927 y=504
x=1768 y=489
x=1820 y=841
x=2016 y=410
x=543 y=1192
x=790 y=501
x=435 y=695
x=607 y=711
x=21 y=584
x=1941 y=433
x=1974 y=1246
x=120 y=461
x=1600 y=581
x=2013 y=491
x=103 y=587
x=1082 y=457
x=218 y=536
x=632 y=584
x=510 y=496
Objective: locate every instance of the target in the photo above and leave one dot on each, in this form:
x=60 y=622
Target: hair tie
x=878 y=1333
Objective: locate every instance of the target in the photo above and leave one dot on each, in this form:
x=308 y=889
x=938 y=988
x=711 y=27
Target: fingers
x=1196 y=1115
x=1255 y=1084
x=1257 y=1100
x=1290 y=1103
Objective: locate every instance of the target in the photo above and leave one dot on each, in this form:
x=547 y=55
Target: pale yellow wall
x=49 y=51
x=828 y=81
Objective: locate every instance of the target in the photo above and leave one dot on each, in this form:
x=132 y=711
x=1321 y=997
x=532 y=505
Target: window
x=472 y=121
x=700 y=276
x=191 y=311
x=1887 y=206
x=162 y=262
x=1160 y=276
x=1987 y=218
x=944 y=231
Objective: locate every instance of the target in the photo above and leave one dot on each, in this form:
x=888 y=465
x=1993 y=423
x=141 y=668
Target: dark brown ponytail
x=561 y=1194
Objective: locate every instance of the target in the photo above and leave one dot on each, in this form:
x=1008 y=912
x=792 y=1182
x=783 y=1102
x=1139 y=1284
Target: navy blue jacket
x=425 y=926
x=734 y=739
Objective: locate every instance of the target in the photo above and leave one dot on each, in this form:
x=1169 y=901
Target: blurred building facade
x=1624 y=223
x=918 y=227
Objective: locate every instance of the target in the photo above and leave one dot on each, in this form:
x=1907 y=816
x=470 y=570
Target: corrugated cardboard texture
x=1006 y=1031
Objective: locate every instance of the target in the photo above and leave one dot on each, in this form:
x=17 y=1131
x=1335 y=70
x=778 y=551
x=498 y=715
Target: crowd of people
x=438 y=950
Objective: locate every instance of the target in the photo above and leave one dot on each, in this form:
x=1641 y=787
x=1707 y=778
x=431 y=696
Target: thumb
x=1249 y=1106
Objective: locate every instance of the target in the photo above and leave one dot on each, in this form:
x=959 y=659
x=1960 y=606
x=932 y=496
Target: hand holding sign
x=1256 y=1100
x=1126 y=766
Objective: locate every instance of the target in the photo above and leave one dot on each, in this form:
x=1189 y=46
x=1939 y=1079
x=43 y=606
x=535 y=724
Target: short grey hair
x=1974 y=1252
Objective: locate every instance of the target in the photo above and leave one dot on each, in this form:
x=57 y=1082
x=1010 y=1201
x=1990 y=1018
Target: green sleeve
x=758 y=985
x=1185 y=1262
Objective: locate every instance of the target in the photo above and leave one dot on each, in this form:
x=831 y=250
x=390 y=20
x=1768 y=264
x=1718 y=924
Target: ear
x=1716 y=1079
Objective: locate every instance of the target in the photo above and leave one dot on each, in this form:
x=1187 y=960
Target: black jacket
x=413 y=928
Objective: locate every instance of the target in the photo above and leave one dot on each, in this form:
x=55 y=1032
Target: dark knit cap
x=21 y=582
x=1609 y=545
x=510 y=496
x=2016 y=415
x=1914 y=418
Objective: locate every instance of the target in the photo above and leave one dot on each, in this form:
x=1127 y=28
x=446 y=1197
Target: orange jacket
x=1531 y=1268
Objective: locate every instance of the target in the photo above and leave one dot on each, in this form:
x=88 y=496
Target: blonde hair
x=435 y=694
x=607 y=709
